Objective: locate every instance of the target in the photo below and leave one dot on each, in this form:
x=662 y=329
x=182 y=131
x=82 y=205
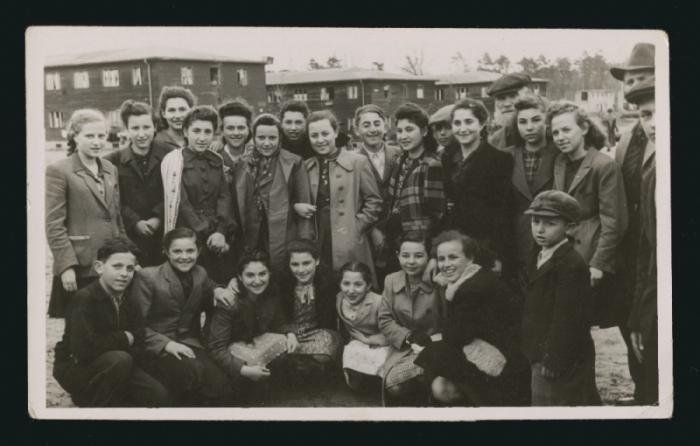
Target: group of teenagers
x=497 y=252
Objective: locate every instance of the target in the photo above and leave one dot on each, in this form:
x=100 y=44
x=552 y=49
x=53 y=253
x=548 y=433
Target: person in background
x=611 y=127
x=555 y=334
x=595 y=181
x=171 y=299
x=441 y=128
x=643 y=319
x=82 y=207
x=533 y=172
x=370 y=127
x=279 y=186
x=293 y=115
x=98 y=359
x=196 y=195
x=410 y=313
x=346 y=197
x=505 y=91
x=629 y=155
x=174 y=104
x=140 y=181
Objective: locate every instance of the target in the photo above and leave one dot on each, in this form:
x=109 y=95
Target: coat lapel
x=392 y=155
x=287 y=163
x=80 y=170
x=544 y=174
x=313 y=169
x=518 y=178
x=549 y=264
x=176 y=290
x=583 y=170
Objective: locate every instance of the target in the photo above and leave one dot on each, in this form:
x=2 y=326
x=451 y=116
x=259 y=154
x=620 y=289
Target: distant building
x=345 y=89
x=105 y=79
x=599 y=101
x=450 y=88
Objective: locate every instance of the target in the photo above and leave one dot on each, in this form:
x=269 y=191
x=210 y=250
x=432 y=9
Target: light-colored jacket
x=78 y=219
x=356 y=204
x=599 y=189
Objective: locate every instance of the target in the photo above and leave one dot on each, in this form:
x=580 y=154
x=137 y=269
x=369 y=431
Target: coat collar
x=535 y=273
x=560 y=170
x=344 y=160
x=155 y=156
x=399 y=283
x=542 y=176
x=107 y=170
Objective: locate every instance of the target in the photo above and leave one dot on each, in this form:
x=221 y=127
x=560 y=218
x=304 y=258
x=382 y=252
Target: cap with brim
x=509 y=83
x=554 y=203
x=640 y=91
x=442 y=115
x=642 y=58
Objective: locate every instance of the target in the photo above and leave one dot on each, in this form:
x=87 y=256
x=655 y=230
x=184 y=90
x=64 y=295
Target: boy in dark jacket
x=96 y=361
x=555 y=329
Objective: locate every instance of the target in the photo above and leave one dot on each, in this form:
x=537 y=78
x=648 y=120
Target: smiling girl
x=174 y=104
x=595 y=181
x=82 y=207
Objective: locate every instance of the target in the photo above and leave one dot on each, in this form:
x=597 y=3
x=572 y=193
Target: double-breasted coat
x=290 y=185
x=355 y=203
x=391 y=158
x=79 y=219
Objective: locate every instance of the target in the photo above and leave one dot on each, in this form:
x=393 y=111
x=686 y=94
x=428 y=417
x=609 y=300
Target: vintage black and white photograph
x=348 y=223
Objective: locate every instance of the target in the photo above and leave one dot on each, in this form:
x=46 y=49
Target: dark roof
x=339 y=75
x=475 y=77
x=123 y=55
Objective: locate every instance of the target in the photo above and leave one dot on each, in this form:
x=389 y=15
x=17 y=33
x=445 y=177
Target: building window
x=53 y=81
x=584 y=96
x=136 y=78
x=186 y=76
x=536 y=89
x=387 y=89
x=300 y=94
x=114 y=118
x=214 y=75
x=110 y=78
x=483 y=92
x=327 y=93
x=242 y=75
x=440 y=94
x=271 y=97
x=352 y=91
x=81 y=79
x=461 y=93
x=55 y=120
x=419 y=93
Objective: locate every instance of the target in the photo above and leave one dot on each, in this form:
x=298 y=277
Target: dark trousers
x=111 y=380
x=649 y=371
x=193 y=382
x=635 y=367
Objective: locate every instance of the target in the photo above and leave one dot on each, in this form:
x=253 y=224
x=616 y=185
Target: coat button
x=340 y=187
x=341 y=201
x=341 y=213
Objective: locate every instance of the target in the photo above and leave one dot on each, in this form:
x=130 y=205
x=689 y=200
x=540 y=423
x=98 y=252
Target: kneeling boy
x=96 y=361
x=556 y=329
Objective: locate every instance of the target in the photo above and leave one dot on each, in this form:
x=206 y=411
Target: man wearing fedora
x=629 y=155
x=506 y=91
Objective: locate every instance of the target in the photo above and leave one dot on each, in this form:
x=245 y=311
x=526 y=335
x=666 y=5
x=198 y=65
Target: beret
x=509 y=82
x=555 y=203
x=642 y=57
x=442 y=115
x=640 y=91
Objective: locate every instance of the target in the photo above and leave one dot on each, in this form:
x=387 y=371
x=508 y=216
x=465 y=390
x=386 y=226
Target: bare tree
x=334 y=62
x=460 y=62
x=315 y=65
x=503 y=64
x=379 y=66
x=414 y=64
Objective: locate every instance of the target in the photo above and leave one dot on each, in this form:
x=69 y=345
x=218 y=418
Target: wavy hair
x=595 y=136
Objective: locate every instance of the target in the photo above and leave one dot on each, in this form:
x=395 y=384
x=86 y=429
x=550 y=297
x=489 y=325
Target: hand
x=420 y=338
x=637 y=345
x=292 y=343
x=378 y=239
x=143 y=228
x=304 y=210
x=217 y=243
x=596 y=276
x=255 y=372
x=153 y=223
x=233 y=286
x=430 y=271
x=68 y=280
x=497 y=266
x=417 y=348
x=216 y=146
x=224 y=297
x=178 y=350
x=129 y=337
x=548 y=373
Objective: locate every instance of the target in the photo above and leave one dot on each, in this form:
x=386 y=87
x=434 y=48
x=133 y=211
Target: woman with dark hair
x=140 y=181
x=173 y=105
x=82 y=207
x=172 y=297
x=477 y=362
x=196 y=193
x=346 y=197
x=277 y=187
x=416 y=189
x=533 y=172
x=596 y=182
x=478 y=181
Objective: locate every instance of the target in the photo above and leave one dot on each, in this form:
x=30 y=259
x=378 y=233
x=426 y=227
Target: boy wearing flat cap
x=506 y=91
x=642 y=324
x=442 y=128
x=629 y=155
x=555 y=327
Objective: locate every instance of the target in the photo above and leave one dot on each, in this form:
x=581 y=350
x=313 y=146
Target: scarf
x=260 y=167
x=467 y=274
x=171 y=171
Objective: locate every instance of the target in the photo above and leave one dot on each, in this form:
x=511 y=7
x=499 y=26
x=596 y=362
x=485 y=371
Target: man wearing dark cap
x=643 y=324
x=505 y=92
x=629 y=155
x=555 y=330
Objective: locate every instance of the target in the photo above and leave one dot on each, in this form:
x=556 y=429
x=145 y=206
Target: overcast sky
x=293 y=47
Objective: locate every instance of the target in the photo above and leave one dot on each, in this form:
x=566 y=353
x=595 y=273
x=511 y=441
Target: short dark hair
x=249 y=256
x=472 y=248
x=368 y=108
x=414 y=237
x=294 y=105
x=477 y=108
x=302 y=245
x=357 y=267
x=174 y=91
x=202 y=113
x=528 y=102
x=417 y=115
x=236 y=107
x=115 y=246
x=266 y=119
x=320 y=115
x=178 y=233
x=131 y=108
